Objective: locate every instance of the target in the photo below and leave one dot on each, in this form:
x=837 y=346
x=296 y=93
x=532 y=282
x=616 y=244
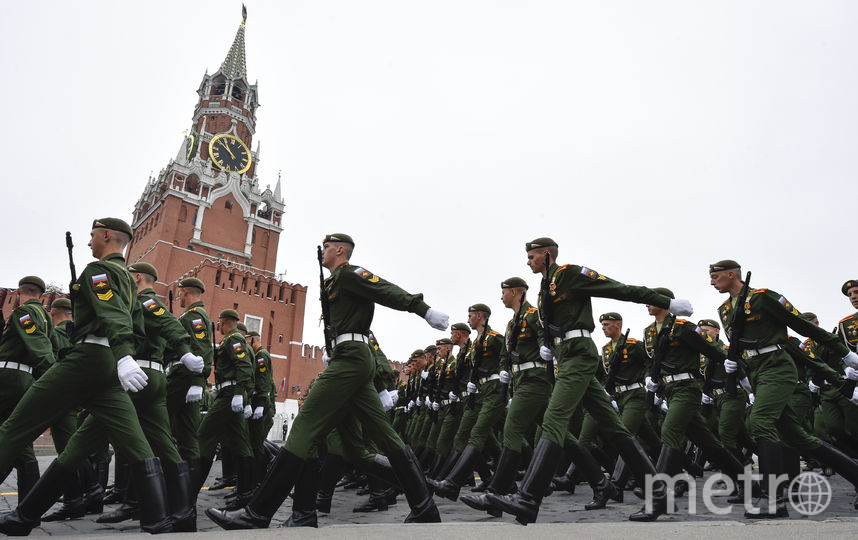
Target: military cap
x=228 y=314
x=143 y=268
x=415 y=354
x=726 y=264
x=61 y=303
x=430 y=348
x=848 y=285
x=666 y=292
x=113 y=224
x=193 y=282
x=242 y=328
x=481 y=307
x=444 y=341
x=809 y=316
x=709 y=322
x=513 y=283
x=252 y=333
x=339 y=237
x=610 y=316
x=462 y=327
x=540 y=243
x=35 y=281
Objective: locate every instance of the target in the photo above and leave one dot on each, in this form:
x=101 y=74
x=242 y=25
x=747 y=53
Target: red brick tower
x=204 y=215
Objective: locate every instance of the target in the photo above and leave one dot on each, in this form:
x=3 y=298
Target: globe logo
x=811 y=493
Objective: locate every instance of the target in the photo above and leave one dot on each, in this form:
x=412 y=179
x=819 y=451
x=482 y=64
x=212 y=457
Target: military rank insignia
x=260 y=363
x=366 y=274
x=27 y=324
x=199 y=328
x=101 y=286
x=152 y=305
x=592 y=274
x=238 y=350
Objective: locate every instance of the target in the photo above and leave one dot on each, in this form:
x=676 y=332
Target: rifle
x=550 y=331
x=614 y=361
x=662 y=343
x=73 y=282
x=737 y=328
x=330 y=331
x=475 y=365
x=512 y=355
x=170 y=297
x=847 y=389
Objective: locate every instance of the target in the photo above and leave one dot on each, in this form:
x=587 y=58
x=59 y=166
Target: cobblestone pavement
x=561 y=508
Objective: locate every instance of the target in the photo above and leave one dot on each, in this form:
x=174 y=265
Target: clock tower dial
x=229 y=153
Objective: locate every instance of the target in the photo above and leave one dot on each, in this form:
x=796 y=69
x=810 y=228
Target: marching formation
x=533 y=409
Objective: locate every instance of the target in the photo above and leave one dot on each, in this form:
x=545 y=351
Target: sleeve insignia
x=260 y=363
x=27 y=323
x=366 y=274
x=238 y=350
x=152 y=305
x=105 y=295
x=100 y=282
x=785 y=303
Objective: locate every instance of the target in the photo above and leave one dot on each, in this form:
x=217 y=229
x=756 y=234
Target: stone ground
x=561 y=514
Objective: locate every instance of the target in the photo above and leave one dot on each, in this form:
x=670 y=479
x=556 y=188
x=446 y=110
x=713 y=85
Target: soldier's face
x=612 y=328
x=710 y=331
x=721 y=280
x=853 y=296
x=508 y=297
x=536 y=260
x=475 y=319
x=97 y=241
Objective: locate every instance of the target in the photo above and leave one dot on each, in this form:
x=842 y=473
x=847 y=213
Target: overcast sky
x=648 y=138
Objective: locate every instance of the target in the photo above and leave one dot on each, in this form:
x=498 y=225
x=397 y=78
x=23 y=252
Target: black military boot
x=769 y=505
x=482 y=467
x=39 y=499
x=669 y=462
x=182 y=504
x=568 y=480
x=731 y=466
x=194 y=465
x=93 y=491
x=435 y=466
x=129 y=509
x=621 y=476
x=602 y=487
x=205 y=467
x=524 y=504
x=502 y=482
x=450 y=486
x=330 y=474
x=73 y=506
x=257 y=514
x=380 y=497
x=407 y=469
x=228 y=470
x=28 y=475
x=120 y=482
x=244 y=485
x=152 y=496
x=835 y=458
x=636 y=460
x=446 y=466
x=304 y=497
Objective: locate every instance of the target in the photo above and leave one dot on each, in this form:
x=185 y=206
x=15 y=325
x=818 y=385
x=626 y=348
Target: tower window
x=237 y=93
x=218 y=89
x=228 y=205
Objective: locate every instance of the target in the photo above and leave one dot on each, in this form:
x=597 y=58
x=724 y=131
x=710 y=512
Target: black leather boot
x=636 y=460
x=502 y=482
x=244 y=485
x=379 y=497
x=28 y=475
x=669 y=462
x=602 y=487
x=838 y=460
x=524 y=504
x=129 y=509
x=304 y=497
x=450 y=486
x=436 y=465
x=769 y=505
x=279 y=480
x=481 y=465
x=621 y=476
x=332 y=471
x=152 y=496
x=120 y=482
x=407 y=469
x=73 y=506
x=194 y=465
x=205 y=467
x=39 y=499
x=445 y=468
x=93 y=491
x=228 y=471
x=182 y=504
x=568 y=480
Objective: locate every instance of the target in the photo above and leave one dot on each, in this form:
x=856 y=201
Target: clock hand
x=227 y=148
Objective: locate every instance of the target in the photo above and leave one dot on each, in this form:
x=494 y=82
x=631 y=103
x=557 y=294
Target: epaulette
x=564 y=267
x=846 y=318
x=680 y=321
x=725 y=302
x=532 y=310
x=758 y=291
x=632 y=340
x=192 y=309
x=493 y=333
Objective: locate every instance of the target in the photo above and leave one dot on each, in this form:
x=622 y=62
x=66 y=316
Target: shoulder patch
x=680 y=321
x=532 y=310
x=27 y=323
x=100 y=282
x=846 y=318
x=366 y=274
x=632 y=340
x=757 y=291
x=592 y=274
x=493 y=333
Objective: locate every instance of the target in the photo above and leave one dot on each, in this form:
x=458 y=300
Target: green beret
x=513 y=283
x=540 y=243
x=462 y=327
x=228 y=314
x=666 y=292
x=726 y=264
x=415 y=354
x=809 y=316
x=481 y=307
x=610 y=316
x=444 y=341
x=252 y=333
x=36 y=281
x=709 y=322
x=242 y=328
x=339 y=237
x=143 y=268
x=193 y=282
x=848 y=285
x=430 y=348
x=113 y=224
x=61 y=303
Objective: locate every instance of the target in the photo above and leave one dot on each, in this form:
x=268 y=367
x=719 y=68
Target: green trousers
x=730 y=419
x=86 y=377
x=222 y=425
x=491 y=416
x=633 y=413
x=343 y=395
x=258 y=429
x=837 y=421
x=14 y=385
x=184 y=419
x=529 y=401
x=683 y=420
x=449 y=428
x=469 y=418
x=435 y=430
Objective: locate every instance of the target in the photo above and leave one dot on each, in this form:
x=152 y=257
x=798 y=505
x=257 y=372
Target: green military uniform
x=64 y=427
x=836 y=421
x=264 y=392
x=484 y=356
x=729 y=417
x=453 y=383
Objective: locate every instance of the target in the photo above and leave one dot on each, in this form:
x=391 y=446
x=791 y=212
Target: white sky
x=648 y=138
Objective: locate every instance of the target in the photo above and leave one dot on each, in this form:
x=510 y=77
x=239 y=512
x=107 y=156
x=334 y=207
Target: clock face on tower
x=229 y=153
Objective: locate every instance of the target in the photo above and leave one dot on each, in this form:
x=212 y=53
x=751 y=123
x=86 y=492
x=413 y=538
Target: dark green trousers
x=449 y=428
x=532 y=392
x=184 y=419
x=491 y=416
x=258 y=429
x=466 y=423
x=14 y=385
x=730 y=419
x=837 y=421
x=633 y=413
x=222 y=425
x=683 y=420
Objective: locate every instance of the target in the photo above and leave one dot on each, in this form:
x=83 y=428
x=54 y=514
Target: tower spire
x=235 y=63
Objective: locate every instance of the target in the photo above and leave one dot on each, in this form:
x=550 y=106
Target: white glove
x=746 y=384
x=751 y=398
x=681 y=307
x=851 y=359
x=418 y=402
x=706 y=400
x=813 y=388
x=424 y=375
x=614 y=405
x=651 y=386
x=325 y=358
x=664 y=406
x=855 y=397
x=657 y=401
x=505 y=377
x=195 y=393
x=131 y=377
x=453 y=397
x=730 y=366
x=237 y=403
x=394 y=396
x=248 y=411
x=214 y=392
x=410 y=404
x=435 y=406
x=428 y=401
x=546 y=354
x=193 y=362
x=257 y=412
x=472 y=388
x=437 y=320
x=386 y=400
x=508 y=403
x=852 y=374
